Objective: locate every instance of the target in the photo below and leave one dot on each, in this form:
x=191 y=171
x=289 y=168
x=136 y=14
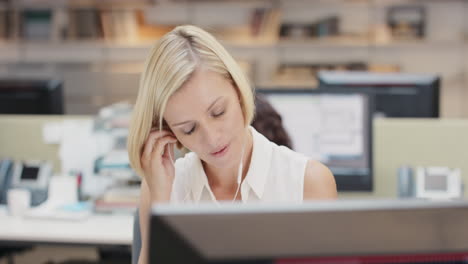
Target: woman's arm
x=319 y=182
x=145 y=207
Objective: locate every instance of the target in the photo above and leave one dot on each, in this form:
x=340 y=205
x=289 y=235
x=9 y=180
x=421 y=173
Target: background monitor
x=20 y=96
x=396 y=94
x=334 y=127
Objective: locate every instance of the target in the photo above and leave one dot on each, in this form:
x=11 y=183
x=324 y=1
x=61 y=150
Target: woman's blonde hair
x=170 y=64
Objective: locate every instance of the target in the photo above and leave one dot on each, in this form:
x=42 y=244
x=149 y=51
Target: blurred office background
x=88 y=55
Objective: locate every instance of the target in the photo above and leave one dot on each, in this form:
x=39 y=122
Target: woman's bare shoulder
x=319 y=182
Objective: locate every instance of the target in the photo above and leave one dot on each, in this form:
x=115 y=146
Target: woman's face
x=206 y=117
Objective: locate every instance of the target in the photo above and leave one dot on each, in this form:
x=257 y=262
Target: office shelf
x=362 y=37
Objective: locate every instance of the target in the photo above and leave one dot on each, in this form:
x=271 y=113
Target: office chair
x=136 y=243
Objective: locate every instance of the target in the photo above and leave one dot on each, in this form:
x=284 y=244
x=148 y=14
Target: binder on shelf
x=128 y=25
x=120 y=25
x=36 y=24
x=256 y=21
x=106 y=22
x=85 y=23
x=4 y=24
x=271 y=25
x=59 y=26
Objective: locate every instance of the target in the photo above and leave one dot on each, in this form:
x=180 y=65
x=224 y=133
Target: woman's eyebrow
x=212 y=104
x=182 y=123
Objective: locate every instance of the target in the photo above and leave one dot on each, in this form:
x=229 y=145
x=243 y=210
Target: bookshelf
x=107 y=32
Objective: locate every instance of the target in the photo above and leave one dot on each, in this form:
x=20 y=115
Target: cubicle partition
x=396 y=142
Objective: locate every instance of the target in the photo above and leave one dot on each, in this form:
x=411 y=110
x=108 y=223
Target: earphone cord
x=239 y=174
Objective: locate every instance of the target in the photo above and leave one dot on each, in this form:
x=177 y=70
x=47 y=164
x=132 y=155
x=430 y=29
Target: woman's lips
x=220 y=152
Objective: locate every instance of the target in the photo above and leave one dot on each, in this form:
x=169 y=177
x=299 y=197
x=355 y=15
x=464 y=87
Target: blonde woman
x=193 y=94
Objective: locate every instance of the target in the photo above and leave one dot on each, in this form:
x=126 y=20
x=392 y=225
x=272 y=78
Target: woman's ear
x=167 y=128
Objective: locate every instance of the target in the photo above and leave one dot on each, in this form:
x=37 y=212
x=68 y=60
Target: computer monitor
x=334 y=127
x=21 y=96
x=374 y=231
x=396 y=94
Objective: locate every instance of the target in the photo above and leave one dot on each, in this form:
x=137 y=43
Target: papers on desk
x=62 y=203
x=52 y=132
x=69 y=212
x=78 y=147
x=3 y=209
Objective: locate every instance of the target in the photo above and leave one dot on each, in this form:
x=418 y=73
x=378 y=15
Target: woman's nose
x=212 y=137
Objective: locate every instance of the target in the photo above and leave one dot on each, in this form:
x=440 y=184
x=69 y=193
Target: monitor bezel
x=349 y=228
x=376 y=83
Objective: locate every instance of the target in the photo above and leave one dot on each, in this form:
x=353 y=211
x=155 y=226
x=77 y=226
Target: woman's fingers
x=150 y=143
x=160 y=146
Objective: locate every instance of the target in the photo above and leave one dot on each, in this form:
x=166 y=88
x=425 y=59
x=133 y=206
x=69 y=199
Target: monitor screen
x=436 y=183
x=332 y=127
x=30 y=172
x=396 y=94
x=19 y=96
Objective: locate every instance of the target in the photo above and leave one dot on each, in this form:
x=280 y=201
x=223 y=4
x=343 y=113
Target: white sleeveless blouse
x=276 y=174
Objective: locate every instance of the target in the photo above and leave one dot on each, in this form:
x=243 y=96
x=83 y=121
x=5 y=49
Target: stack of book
x=118 y=200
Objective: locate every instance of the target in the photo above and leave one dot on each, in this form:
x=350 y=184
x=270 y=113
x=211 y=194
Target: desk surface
x=95 y=230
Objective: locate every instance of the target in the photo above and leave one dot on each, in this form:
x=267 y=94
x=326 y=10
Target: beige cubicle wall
x=21 y=137
x=413 y=142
